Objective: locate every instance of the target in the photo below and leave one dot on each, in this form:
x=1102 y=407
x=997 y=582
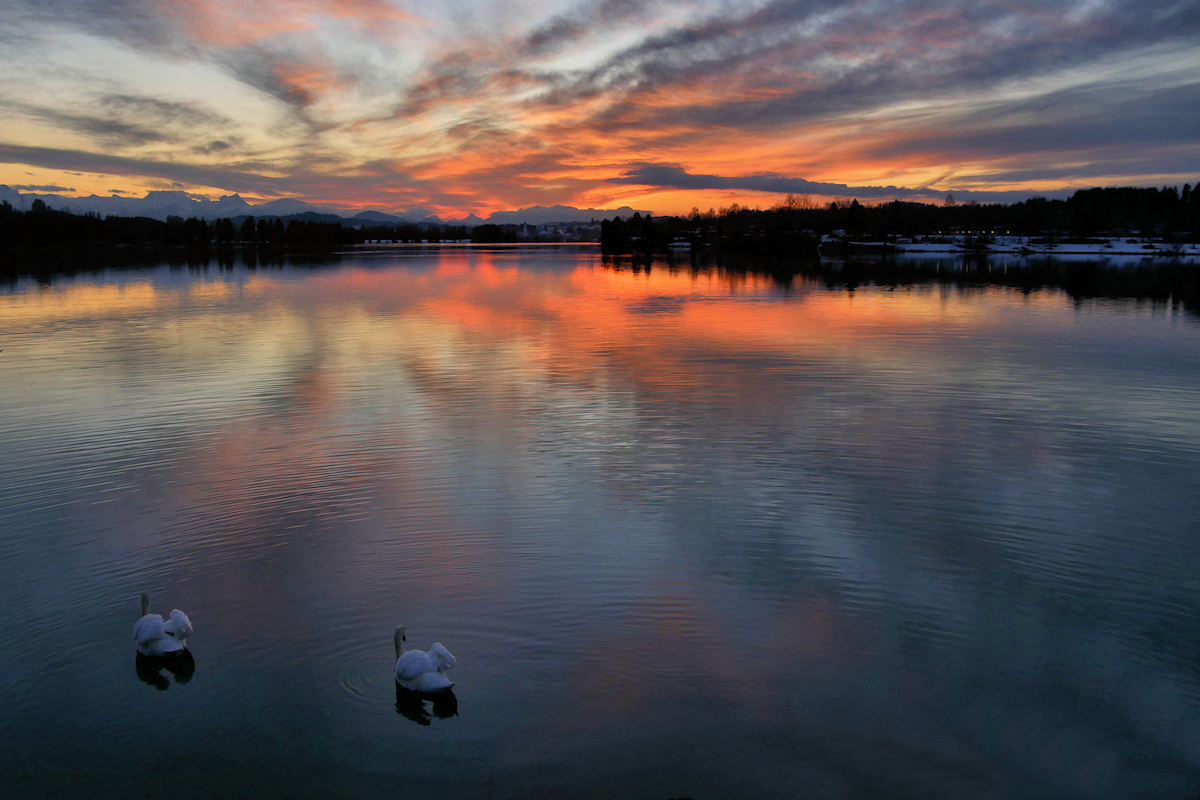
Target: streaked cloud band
x=478 y=106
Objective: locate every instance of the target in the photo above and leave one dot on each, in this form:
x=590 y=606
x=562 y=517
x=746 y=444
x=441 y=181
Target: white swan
x=154 y=637
x=419 y=671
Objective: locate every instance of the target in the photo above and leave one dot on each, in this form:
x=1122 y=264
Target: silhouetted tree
x=855 y=220
x=492 y=234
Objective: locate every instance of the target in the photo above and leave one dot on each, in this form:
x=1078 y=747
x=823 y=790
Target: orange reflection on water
x=577 y=322
x=79 y=301
x=663 y=316
x=82 y=300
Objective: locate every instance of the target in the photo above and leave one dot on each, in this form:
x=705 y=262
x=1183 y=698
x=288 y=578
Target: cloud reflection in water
x=919 y=538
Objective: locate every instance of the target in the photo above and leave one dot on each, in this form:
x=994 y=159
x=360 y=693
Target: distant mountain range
x=160 y=205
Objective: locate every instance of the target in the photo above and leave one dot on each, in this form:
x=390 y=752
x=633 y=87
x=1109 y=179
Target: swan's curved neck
x=398 y=637
x=145 y=603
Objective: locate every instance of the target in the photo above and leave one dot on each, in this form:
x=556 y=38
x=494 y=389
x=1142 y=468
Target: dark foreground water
x=689 y=534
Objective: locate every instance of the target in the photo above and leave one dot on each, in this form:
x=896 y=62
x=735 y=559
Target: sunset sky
x=472 y=106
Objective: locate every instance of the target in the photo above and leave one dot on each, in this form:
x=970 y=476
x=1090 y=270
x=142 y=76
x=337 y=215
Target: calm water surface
x=689 y=534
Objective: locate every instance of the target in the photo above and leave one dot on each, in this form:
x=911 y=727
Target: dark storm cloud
x=567 y=29
x=140 y=23
x=189 y=115
x=556 y=34
x=1106 y=117
x=676 y=177
x=918 y=50
x=217 y=146
x=109 y=130
x=385 y=180
x=671 y=176
x=1134 y=166
x=234 y=180
x=125 y=120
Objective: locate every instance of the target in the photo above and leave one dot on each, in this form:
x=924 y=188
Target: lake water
x=689 y=533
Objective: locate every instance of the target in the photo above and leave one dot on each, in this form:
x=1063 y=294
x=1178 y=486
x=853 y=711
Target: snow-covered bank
x=1131 y=249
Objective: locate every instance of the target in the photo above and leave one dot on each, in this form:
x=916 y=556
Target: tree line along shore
x=795 y=226
x=42 y=226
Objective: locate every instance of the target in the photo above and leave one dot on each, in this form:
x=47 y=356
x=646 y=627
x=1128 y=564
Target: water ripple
x=877 y=534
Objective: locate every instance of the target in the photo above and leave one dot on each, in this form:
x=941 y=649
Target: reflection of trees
x=1164 y=281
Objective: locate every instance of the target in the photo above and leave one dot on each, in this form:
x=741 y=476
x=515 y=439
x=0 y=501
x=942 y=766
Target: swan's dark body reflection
x=150 y=668
x=412 y=705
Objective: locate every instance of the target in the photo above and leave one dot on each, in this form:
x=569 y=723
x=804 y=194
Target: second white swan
x=155 y=637
x=419 y=671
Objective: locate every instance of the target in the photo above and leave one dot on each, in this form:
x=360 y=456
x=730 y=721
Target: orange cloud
x=229 y=23
x=487 y=114
x=310 y=80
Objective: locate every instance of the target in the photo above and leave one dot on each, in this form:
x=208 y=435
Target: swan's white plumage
x=157 y=637
x=422 y=671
